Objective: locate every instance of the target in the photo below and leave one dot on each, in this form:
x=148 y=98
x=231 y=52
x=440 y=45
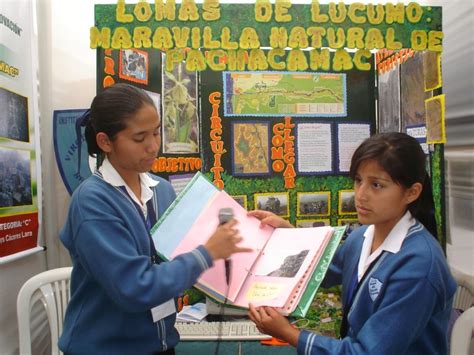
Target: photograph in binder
x=290 y=265
x=284 y=269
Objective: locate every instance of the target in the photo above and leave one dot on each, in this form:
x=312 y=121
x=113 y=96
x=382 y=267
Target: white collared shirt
x=392 y=243
x=111 y=175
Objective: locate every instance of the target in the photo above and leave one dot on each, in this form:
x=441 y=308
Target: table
x=231 y=348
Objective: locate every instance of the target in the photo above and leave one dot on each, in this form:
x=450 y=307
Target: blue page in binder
x=185 y=209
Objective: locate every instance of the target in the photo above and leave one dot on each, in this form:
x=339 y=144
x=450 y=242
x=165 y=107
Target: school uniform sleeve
x=116 y=254
x=129 y=278
x=408 y=314
x=406 y=308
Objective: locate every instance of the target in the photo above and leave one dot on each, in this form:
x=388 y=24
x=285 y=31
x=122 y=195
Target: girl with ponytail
x=397 y=291
x=122 y=294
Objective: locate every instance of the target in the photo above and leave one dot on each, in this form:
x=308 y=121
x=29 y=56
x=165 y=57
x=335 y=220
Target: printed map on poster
x=250 y=153
x=285 y=93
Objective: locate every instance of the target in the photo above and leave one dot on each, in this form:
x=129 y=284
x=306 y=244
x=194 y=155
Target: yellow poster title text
x=295 y=48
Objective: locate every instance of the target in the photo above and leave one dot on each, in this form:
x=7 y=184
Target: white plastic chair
x=51 y=288
x=463 y=328
x=464 y=297
x=461 y=336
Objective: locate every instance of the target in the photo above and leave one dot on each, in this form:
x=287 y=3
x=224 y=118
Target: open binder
x=284 y=270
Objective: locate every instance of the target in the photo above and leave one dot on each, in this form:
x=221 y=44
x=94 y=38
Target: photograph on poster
x=241 y=200
x=314 y=148
x=347 y=202
x=313 y=203
x=389 y=101
x=250 y=148
x=134 y=65
x=349 y=137
x=351 y=223
x=180 y=115
x=13 y=116
x=272 y=93
x=15 y=175
x=435 y=130
x=309 y=223
x=432 y=70
x=276 y=202
x=413 y=95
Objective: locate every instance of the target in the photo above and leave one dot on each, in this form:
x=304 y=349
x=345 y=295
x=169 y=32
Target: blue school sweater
x=114 y=285
x=402 y=306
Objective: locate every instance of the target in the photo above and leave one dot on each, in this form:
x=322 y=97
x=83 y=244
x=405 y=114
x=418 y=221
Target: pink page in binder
x=284 y=268
x=298 y=291
x=205 y=225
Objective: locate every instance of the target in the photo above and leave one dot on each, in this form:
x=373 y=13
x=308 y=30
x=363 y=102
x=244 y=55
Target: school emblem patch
x=374 y=288
x=66 y=148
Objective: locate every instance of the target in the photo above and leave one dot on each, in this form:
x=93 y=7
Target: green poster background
x=361 y=99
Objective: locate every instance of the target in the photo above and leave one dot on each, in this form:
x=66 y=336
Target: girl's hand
x=223 y=243
x=270 y=322
x=271 y=219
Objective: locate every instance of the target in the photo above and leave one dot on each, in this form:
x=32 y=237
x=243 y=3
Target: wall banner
x=20 y=174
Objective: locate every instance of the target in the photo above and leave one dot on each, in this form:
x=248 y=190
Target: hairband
x=81 y=122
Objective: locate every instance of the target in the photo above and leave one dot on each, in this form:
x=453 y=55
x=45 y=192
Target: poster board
x=262 y=146
x=20 y=169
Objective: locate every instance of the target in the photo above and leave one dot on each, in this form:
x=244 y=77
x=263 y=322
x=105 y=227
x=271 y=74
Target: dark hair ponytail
x=423 y=208
x=89 y=135
x=82 y=121
x=402 y=157
x=108 y=113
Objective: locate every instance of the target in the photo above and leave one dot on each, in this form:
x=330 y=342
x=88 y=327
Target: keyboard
x=234 y=331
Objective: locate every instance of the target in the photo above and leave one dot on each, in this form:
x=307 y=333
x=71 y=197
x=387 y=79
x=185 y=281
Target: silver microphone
x=225 y=215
